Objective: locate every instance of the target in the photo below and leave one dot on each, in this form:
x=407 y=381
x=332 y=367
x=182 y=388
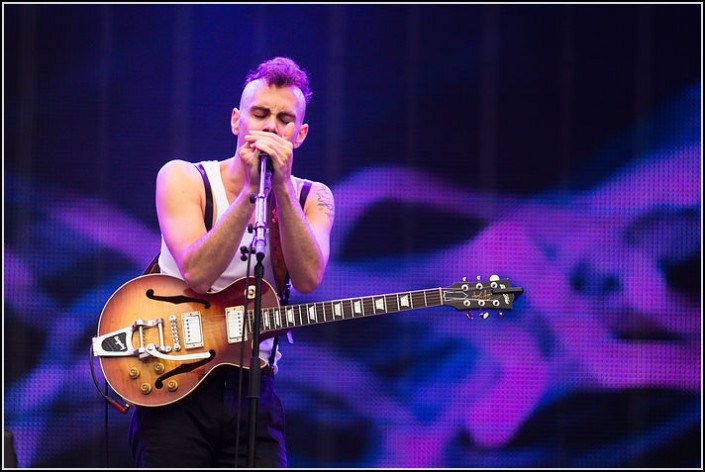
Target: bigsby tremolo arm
x=119 y=343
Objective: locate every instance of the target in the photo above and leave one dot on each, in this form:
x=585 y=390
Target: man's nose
x=270 y=125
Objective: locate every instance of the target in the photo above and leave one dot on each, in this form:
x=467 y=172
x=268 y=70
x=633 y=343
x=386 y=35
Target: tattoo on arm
x=324 y=199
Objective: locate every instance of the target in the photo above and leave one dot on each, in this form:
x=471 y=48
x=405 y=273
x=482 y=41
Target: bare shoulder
x=177 y=171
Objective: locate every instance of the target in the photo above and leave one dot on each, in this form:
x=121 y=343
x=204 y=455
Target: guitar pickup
x=193 y=330
x=235 y=320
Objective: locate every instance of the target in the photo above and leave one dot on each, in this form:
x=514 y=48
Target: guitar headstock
x=493 y=294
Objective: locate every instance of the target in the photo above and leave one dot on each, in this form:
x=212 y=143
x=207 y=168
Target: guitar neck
x=307 y=314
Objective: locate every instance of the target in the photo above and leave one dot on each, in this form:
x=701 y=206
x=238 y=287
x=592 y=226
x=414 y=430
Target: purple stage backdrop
x=558 y=146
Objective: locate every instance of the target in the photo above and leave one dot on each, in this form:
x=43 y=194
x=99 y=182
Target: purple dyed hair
x=282 y=72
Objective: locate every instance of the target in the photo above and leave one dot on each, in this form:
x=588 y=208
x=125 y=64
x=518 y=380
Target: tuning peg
x=494 y=277
x=469 y=314
x=500 y=314
x=484 y=315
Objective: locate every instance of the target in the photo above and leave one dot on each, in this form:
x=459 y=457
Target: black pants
x=200 y=429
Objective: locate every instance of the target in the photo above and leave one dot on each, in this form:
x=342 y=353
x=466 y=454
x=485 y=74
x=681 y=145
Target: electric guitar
x=158 y=339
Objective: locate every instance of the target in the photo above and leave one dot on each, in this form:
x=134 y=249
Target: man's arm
x=305 y=234
x=201 y=256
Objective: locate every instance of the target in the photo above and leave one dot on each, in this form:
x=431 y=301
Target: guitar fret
x=418 y=300
x=338 y=310
x=356 y=308
x=406 y=301
x=438 y=300
x=323 y=309
x=367 y=306
x=320 y=312
x=265 y=319
x=393 y=300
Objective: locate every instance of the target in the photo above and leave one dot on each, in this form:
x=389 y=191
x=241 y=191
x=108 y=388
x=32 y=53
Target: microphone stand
x=260 y=243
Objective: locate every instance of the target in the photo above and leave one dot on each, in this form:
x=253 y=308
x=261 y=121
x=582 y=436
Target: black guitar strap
x=208 y=215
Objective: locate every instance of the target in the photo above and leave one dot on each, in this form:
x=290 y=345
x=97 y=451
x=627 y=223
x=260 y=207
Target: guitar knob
x=172 y=385
x=158 y=367
x=134 y=373
x=146 y=389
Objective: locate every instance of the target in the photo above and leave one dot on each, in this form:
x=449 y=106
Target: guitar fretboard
x=293 y=316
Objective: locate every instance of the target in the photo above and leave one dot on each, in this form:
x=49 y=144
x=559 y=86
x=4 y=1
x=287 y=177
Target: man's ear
x=234 y=119
x=303 y=131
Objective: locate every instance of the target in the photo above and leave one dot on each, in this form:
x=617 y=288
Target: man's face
x=270 y=108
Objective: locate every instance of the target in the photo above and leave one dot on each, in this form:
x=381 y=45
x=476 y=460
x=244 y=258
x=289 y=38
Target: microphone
x=265 y=185
x=265 y=171
x=263 y=156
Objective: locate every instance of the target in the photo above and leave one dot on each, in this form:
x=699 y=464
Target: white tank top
x=237 y=267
